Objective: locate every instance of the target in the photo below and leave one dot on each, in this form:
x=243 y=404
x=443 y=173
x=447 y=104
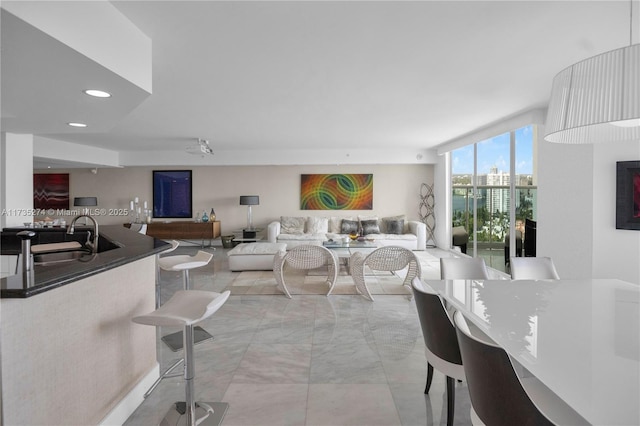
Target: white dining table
x=580 y=338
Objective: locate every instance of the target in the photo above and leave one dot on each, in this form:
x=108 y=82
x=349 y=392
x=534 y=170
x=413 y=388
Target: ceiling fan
x=201 y=148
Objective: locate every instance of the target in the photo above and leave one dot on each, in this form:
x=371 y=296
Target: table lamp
x=249 y=200
x=85 y=202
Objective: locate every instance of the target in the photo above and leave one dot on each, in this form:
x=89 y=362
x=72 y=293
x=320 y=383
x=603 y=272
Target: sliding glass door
x=485 y=178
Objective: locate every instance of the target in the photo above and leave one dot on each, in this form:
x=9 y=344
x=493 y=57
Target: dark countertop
x=134 y=246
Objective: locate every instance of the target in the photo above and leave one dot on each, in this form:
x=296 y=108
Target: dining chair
x=463 y=268
x=497 y=396
x=441 y=345
x=533 y=268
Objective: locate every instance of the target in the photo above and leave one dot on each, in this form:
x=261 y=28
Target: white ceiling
x=339 y=75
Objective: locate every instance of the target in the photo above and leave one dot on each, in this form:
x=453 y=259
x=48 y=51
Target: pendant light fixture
x=597 y=99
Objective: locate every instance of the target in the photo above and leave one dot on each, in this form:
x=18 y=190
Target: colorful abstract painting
x=51 y=191
x=336 y=192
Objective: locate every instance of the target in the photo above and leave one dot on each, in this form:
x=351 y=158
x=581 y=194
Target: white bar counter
x=70 y=353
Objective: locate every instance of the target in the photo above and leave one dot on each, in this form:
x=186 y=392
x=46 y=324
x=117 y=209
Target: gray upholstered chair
x=463 y=268
x=441 y=345
x=533 y=268
x=305 y=257
x=389 y=258
x=497 y=396
x=460 y=238
x=507 y=246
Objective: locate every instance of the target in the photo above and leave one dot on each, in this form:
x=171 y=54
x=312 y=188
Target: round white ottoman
x=254 y=256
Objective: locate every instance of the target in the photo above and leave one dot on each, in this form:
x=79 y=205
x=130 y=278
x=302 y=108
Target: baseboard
x=121 y=412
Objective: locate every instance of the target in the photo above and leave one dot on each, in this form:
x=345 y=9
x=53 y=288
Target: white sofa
x=391 y=231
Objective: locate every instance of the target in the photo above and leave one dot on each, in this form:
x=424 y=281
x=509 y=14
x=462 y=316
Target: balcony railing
x=493 y=211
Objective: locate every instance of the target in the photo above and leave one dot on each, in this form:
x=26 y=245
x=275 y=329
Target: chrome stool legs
x=190 y=412
x=187 y=308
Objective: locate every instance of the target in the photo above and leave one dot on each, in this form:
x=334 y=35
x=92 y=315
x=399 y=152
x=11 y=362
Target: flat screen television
x=172 y=194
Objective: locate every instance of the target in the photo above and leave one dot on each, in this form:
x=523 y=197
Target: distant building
x=499 y=197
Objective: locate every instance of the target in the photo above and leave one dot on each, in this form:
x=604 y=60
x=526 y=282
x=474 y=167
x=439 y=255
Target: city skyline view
x=495 y=152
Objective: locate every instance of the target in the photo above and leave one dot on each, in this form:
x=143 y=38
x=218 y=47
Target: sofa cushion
x=392 y=237
x=395 y=226
x=370 y=227
x=317 y=225
x=349 y=226
x=292 y=225
x=302 y=237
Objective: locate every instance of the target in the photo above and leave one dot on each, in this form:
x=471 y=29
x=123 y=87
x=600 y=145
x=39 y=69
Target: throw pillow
x=370 y=227
x=317 y=225
x=335 y=223
x=386 y=220
x=348 y=226
x=292 y=225
x=395 y=226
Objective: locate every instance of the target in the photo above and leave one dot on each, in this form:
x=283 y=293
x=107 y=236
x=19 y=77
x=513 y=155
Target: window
x=483 y=178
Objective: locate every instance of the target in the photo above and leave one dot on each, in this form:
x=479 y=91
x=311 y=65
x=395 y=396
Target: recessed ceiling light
x=77 y=124
x=97 y=93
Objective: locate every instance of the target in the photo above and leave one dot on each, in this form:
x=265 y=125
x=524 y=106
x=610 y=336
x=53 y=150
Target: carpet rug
x=314 y=281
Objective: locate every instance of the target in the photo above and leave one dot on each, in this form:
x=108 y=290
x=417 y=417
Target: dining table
x=579 y=338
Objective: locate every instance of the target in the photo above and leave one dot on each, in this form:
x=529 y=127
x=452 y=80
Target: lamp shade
x=597 y=100
x=85 y=201
x=249 y=200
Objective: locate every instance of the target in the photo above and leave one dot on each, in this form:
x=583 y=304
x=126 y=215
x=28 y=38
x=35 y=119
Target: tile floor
x=310 y=360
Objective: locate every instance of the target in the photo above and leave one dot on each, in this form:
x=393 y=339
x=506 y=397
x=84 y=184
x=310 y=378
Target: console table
x=184 y=230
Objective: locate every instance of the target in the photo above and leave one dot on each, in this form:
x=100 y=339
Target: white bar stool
x=187 y=308
x=174 y=245
x=185 y=263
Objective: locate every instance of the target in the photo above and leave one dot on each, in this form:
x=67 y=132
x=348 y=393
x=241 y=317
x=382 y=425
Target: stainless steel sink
x=64 y=256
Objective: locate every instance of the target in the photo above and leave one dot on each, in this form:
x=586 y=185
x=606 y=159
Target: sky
x=495 y=152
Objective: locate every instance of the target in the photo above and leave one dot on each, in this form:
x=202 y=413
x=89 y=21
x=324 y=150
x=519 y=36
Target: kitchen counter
x=132 y=246
x=69 y=346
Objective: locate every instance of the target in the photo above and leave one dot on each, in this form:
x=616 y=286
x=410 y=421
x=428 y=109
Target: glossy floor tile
x=310 y=360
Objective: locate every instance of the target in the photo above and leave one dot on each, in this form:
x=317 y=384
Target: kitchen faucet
x=93 y=245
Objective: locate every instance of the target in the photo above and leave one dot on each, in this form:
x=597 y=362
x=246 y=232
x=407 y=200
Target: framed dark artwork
x=628 y=195
x=172 y=196
x=51 y=191
x=336 y=192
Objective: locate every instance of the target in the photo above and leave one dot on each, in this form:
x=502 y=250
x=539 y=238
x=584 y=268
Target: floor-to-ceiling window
x=485 y=178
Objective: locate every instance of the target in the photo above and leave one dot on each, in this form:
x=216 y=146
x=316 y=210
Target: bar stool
x=174 y=245
x=187 y=308
x=185 y=263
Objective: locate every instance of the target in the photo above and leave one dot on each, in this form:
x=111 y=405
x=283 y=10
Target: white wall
x=56 y=150
x=396 y=190
x=565 y=207
x=576 y=211
x=442 y=201
x=615 y=251
x=17 y=179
